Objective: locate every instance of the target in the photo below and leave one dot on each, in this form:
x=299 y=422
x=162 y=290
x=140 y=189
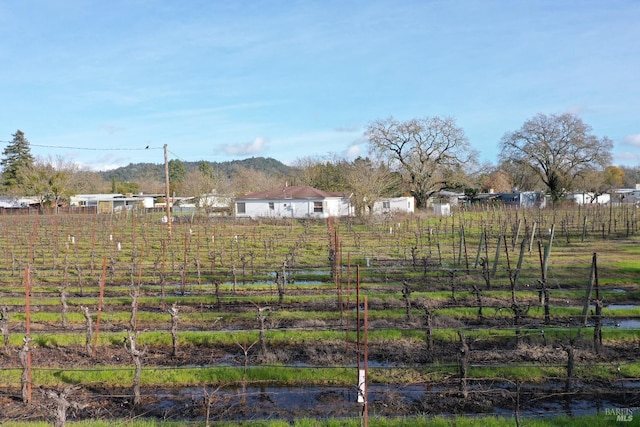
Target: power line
x=176 y=156
x=96 y=149
x=64 y=147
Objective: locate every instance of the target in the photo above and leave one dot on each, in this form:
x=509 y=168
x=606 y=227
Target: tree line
x=553 y=153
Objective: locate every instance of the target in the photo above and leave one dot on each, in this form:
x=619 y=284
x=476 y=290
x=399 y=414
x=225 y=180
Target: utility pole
x=166 y=189
x=25 y=353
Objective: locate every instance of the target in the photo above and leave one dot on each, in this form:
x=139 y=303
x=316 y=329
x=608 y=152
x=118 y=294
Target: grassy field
x=453 y=303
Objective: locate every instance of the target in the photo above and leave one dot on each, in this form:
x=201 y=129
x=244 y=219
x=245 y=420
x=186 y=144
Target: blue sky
x=98 y=81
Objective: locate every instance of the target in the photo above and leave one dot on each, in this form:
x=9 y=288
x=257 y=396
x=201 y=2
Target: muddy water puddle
x=540 y=400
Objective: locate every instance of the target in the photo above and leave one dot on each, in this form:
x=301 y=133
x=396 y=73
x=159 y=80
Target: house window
x=386 y=205
x=271 y=206
x=317 y=207
x=240 y=208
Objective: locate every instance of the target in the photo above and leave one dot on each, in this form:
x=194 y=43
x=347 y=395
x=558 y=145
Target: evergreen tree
x=206 y=169
x=177 y=171
x=177 y=175
x=15 y=157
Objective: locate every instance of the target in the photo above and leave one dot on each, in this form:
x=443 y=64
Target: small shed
x=391 y=205
x=442 y=209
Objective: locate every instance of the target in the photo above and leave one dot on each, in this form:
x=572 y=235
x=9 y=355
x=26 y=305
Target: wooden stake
x=27 y=286
x=365 y=409
x=593 y=279
x=100 y=303
x=348 y=315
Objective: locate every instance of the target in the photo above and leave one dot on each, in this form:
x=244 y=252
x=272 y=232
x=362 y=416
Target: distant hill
x=136 y=171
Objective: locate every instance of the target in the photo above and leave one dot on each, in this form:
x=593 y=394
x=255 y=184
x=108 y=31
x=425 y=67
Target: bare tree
x=519 y=311
x=428 y=317
x=130 y=347
x=150 y=184
x=599 y=182
x=173 y=311
x=496 y=179
x=62 y=403
x=49 y=179
x=452 y=275
x=261 y=317
x=210 y=397
x=80 y=278
x=198 y=183
x=65 y=306
x=406 y=295
x=486 y=272
x=23 y=355
x=426 y=151
x=571 y=356
x=558 y=148
x=597 y=329
x=245 y=350
x=246 y=180
x=89 y=329
x=522 y=178
x=281 y=282
x=4 y=326
x=478 y=294
x=370 y=180
x=84 y=181
x=463 y=363
x=631 y=176
x=135 y=294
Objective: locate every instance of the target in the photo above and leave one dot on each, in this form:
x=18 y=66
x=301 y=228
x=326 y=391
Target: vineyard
x=492 y=311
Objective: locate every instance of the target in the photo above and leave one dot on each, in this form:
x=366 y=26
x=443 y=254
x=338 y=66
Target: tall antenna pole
x=166 y=188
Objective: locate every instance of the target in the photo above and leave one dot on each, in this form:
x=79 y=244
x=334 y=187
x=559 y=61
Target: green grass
x=186 y=376
x=110 y=376
x=530 y=374
x=300 y=337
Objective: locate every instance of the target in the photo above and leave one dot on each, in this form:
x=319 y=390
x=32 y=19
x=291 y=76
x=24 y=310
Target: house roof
x=293 y=192
x=17 y=202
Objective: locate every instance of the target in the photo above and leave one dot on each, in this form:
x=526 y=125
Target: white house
x=585 y=198
x=394 y=205
x=107 y=203
x=293 y=202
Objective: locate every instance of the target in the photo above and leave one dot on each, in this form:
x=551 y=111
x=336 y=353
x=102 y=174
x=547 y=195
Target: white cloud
x=254 y=147
x=576 y=109
x=633 y=140
x=626 y=158
x=353 y=151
